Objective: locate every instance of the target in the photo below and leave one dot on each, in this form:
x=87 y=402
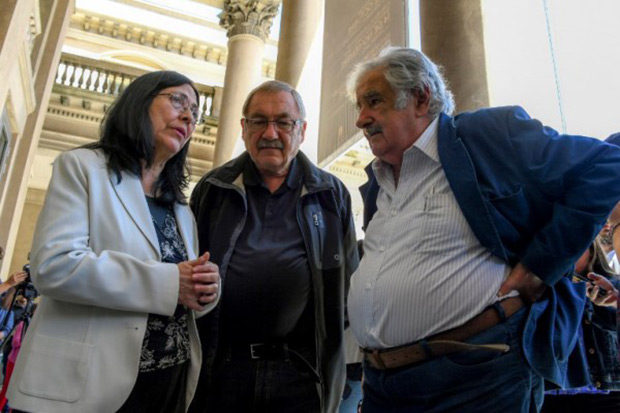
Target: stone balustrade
x=111 y=79
x=85 y=88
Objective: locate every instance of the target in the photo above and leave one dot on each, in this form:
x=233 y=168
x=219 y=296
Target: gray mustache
x=264 y=143
x=371 y=130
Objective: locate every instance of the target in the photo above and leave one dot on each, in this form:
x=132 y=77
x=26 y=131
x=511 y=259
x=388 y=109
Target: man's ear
x=422 y=101
x=303 y=131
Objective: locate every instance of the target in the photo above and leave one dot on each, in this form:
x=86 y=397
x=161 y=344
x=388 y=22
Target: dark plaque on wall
x=355 y=30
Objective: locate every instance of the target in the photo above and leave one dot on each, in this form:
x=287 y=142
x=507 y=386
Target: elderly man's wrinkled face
x=389 y=131
x=272 y=131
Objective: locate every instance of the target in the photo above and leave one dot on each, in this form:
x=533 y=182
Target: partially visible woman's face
x=172 y=124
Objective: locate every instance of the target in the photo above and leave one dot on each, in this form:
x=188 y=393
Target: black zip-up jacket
x=326 y=221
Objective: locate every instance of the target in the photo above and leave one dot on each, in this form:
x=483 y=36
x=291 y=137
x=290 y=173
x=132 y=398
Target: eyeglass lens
x=283 y=125
x=181 y=102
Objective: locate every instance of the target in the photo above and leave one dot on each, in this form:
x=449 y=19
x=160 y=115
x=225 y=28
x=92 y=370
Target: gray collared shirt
x=423 y=270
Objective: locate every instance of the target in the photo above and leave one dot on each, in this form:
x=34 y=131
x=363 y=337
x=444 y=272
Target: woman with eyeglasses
x=115 y=259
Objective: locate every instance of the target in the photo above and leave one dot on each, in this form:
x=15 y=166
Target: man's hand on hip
x=529 y=286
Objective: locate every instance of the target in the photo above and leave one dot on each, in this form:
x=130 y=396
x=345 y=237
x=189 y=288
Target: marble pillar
x=298 y=27
x=452 y=36
x=247 y=23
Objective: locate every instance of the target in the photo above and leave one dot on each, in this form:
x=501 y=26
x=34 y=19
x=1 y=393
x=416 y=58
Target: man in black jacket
x=281 y=231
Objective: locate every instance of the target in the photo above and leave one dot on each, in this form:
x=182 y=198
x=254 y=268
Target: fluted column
x=248 y=23
x=452 y=35
x=299 y=23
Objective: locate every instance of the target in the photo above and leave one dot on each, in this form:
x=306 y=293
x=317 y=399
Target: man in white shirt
x=469 y=227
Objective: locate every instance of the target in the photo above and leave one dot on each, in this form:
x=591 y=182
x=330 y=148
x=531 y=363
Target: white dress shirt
x=423 y=270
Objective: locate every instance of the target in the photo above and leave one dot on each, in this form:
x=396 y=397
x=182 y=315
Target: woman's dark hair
x=126 y=135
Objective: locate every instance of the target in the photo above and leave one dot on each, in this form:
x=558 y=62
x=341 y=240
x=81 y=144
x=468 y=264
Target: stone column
x=452 y=36
x=299 y=23
x=53 y=33
x=217 y=102
x=248 y=23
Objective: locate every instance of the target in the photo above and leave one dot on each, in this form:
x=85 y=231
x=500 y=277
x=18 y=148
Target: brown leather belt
x=447 y=342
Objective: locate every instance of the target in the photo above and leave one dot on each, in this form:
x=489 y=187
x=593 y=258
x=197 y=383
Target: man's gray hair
x=274 y=86
x=408 y=72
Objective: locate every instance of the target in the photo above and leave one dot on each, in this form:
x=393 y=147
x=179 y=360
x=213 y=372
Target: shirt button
x=382 y=248
x=394 y=212
x=368 y=286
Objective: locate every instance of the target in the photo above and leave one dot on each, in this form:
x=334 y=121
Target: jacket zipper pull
x=315 y=217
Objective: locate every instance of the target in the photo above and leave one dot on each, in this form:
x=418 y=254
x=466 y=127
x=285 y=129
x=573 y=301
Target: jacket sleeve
x=66 y=268
x=578 y=178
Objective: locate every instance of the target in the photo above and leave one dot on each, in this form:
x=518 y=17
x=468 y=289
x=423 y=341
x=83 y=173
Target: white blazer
x=95 y=261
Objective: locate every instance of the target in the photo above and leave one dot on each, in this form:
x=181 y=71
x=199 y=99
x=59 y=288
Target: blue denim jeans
x=349 y=404
x=474 y=381
x=281 y=385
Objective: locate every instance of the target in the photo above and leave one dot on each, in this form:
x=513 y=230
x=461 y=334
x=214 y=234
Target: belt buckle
x=374 y=357
x=253 y=350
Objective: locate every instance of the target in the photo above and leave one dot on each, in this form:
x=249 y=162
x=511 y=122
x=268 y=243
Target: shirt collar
x=427 y=143
x=251 y=176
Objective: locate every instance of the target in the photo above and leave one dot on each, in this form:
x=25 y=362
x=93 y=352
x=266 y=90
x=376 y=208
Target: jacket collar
x=251 y=176
x=230 y=173
x=131 y=195
x=369 y=192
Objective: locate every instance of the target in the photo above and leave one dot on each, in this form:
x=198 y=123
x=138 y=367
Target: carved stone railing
x=110 y=79
x=85 y=88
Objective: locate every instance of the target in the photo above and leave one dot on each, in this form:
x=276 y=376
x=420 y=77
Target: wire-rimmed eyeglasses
x=181 y=102
x=260 y=124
